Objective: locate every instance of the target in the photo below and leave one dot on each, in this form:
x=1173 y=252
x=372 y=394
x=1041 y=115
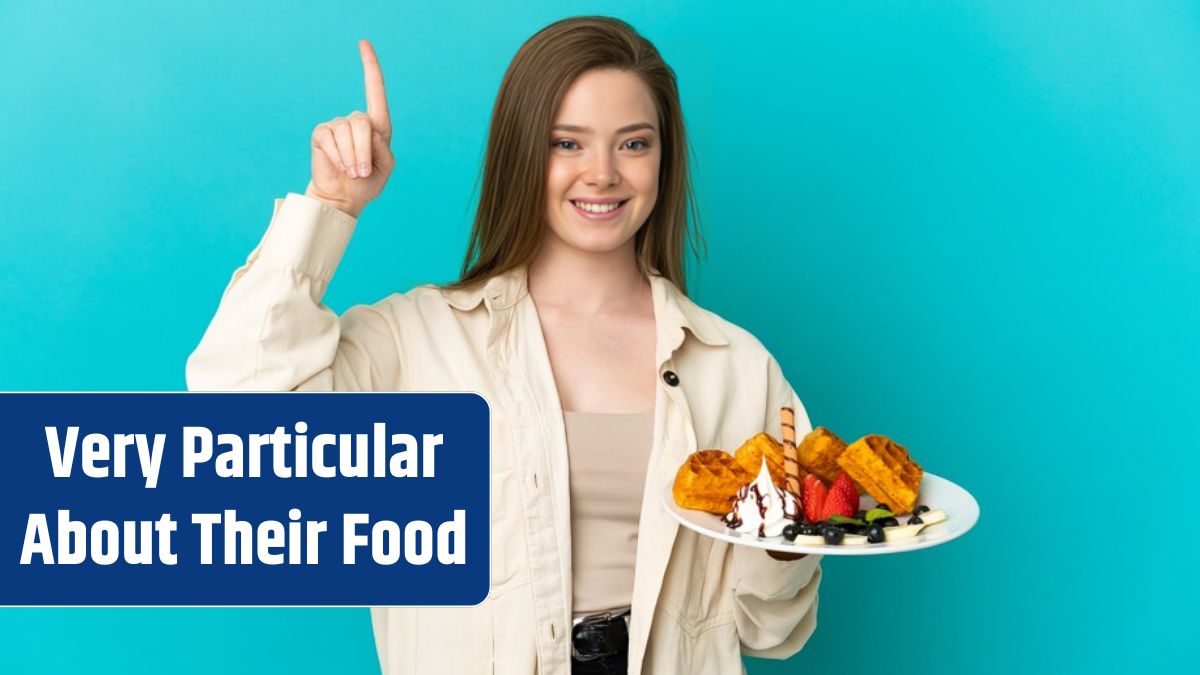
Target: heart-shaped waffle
x=708 y=481
x=819 y=452
x=750 y=457
x=885 y=470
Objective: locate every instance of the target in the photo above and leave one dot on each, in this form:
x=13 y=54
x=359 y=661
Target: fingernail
x=341 y=167
x=364 y=169
x=353 y=172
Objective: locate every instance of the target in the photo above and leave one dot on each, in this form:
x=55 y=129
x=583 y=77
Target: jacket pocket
x=697 y=588
x=682 y=646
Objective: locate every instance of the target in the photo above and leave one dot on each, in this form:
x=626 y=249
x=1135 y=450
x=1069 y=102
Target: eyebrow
x=588 y=130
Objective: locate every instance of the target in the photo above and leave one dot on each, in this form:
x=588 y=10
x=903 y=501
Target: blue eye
x=644 y=144
x=559 y=144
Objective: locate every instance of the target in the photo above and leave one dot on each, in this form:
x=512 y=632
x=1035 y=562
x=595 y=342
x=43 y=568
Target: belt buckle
x=594 y=631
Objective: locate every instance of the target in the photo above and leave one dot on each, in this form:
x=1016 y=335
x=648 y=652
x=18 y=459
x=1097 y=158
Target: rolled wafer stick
x=791 y=458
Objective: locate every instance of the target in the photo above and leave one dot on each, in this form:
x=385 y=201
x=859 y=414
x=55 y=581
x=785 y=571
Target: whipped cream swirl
x=761 y=508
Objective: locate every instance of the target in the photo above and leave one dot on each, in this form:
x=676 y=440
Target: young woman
x=570 y=317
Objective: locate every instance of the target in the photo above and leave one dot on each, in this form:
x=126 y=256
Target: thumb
x=381 y=153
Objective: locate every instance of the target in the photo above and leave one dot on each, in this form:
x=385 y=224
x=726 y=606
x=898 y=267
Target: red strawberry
x=813 y=497
x=836 y=503
x=845 y=487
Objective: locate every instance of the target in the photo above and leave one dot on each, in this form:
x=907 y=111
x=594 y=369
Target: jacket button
x=671 y=378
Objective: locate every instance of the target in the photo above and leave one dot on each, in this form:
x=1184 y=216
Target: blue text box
x=399 y=480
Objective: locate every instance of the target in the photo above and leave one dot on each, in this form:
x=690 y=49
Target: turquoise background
x=972 y=226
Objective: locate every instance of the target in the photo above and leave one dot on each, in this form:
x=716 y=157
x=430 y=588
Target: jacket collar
x=509 y=288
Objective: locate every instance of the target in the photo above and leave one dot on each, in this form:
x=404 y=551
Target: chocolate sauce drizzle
x=733 y=519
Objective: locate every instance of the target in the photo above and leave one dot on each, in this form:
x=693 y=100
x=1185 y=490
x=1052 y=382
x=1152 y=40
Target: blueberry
x=809 y=529
x=887 y=522
x=790 y=532
x=885 y=507
x=920 y=509
x=916 y=520
x=875 y=533
x=861 y=515
x=833 y=534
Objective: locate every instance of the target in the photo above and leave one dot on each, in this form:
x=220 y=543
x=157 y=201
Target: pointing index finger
x=377 y=106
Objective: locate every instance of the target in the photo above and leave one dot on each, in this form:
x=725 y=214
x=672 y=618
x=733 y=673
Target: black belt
x=598 y=635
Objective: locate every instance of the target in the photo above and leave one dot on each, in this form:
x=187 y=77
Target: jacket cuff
x=763 y=577
x=308 y=235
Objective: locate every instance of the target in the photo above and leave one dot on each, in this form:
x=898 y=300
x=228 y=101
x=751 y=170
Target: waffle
x=709 y=481
x=749 y=457
x=819 y=453
x=883 y=468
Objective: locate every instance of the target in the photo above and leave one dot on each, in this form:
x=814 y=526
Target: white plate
x=962 y=511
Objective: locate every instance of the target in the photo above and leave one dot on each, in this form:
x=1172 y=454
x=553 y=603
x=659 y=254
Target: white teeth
x=597 y=208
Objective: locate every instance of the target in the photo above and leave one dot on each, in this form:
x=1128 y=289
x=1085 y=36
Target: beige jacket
x=698 y=604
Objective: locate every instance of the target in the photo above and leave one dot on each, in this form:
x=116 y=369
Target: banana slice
x=901 y=532
x=933 y=517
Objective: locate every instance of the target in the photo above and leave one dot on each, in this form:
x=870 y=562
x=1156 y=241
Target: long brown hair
x=508 y=223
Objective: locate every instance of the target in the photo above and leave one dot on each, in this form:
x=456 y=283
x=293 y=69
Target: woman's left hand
x=786 y=556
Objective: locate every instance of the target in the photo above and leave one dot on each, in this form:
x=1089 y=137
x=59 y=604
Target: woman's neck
x=587 y=283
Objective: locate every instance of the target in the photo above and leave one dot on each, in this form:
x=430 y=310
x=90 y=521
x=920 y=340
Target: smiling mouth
x=599 y=209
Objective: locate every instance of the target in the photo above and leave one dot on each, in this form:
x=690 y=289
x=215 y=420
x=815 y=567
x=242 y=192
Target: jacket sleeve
x=271 y=331
x=775 y=601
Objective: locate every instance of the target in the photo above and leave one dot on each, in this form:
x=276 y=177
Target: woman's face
x=604 y=153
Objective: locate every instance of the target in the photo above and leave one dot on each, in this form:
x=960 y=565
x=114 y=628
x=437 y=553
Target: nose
x=602 y=170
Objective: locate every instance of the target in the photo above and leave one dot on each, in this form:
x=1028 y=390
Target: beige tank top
x=608 y=453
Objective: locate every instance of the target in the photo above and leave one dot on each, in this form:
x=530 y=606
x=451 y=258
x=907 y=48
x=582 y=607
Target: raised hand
x=351 y=156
